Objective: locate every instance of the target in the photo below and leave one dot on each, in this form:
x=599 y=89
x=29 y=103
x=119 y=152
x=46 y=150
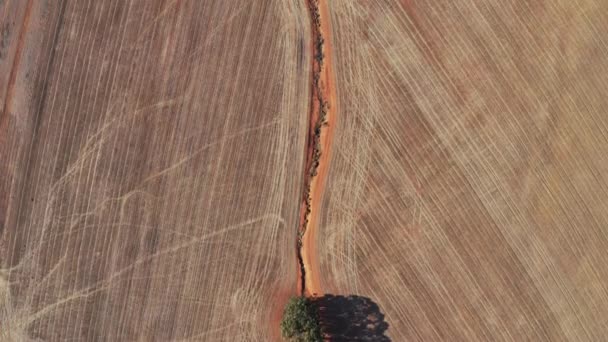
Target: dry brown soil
x=468 y=189
x=150 y=157
x=151 y=162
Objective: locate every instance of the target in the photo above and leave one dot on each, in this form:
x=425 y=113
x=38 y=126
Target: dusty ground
x=150 y=161
x=467 y=193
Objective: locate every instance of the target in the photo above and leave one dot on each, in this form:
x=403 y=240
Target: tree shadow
x=351 y=318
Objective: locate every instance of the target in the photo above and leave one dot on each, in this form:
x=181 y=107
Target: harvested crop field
x=467 y=192
x=148 y=157
x=155 y=169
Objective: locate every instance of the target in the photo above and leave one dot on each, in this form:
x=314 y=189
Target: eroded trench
x=322 y=118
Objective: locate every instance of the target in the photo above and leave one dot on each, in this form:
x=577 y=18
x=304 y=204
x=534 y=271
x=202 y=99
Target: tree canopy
x=300 y=321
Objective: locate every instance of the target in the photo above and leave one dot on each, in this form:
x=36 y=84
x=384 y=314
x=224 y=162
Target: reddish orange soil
x=315 y=184
x=276 y=313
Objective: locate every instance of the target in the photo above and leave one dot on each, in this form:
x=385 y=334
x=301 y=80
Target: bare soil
x=152 y=156
x=148 y=153
x=327 y=91
x=467 y=193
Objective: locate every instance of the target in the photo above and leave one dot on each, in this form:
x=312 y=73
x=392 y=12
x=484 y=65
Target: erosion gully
x=322 y=118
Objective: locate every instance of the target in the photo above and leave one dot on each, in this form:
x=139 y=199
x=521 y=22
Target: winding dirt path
x=323 y=115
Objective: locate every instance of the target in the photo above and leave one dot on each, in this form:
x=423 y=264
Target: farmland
x=156 y=179
x=148 y=155
x=467 y=193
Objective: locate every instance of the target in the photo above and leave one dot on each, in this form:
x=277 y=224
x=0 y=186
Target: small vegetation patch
x=300 y=321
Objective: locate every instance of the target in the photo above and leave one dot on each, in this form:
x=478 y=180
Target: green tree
x=300 y=321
